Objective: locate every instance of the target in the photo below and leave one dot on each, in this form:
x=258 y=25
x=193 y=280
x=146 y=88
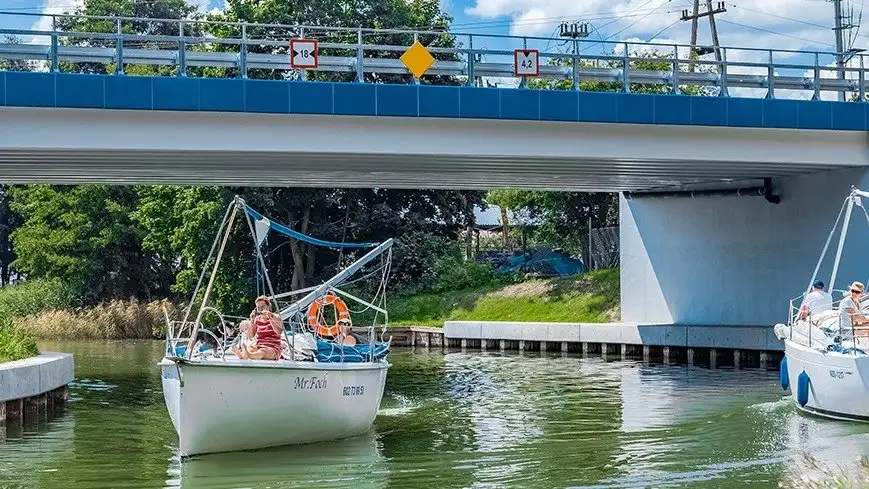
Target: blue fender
x=803 y=388
x=783 y=374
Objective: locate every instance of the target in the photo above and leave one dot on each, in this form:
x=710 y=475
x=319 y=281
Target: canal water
x=459 y=420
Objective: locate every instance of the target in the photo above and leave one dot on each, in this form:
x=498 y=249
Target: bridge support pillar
x=733 y=261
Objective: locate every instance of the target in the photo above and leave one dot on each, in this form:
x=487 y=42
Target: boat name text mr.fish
x=310 y=383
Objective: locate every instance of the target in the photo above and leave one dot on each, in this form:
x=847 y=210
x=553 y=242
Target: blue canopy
x=281 y=229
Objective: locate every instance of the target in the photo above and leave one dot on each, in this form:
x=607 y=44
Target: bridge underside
x=67 y=146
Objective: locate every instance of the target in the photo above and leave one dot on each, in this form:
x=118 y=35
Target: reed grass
x=114 y=320
x=807 y=472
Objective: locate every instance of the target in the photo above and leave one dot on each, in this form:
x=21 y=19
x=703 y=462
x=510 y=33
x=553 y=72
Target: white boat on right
x=826 y=365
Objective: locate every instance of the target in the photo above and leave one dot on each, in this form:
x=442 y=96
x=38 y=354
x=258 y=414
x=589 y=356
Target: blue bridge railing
x=362 y=55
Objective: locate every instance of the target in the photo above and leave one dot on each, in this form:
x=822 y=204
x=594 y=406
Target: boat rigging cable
x=260 y=226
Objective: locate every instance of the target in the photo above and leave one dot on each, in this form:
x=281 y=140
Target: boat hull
x=837 y=386
x=230 y=405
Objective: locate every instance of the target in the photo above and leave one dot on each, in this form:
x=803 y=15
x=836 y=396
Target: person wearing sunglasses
x=851 y=313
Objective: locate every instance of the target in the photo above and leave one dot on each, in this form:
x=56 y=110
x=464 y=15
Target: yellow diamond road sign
x=417 y=59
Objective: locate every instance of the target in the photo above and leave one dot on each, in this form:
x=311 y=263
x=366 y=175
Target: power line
x=664 y=30
x=636 y=21
x=780 y=17
x=553 y=20
x=761 y=29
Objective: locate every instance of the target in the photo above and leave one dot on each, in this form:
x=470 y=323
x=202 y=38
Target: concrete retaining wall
x=732 y=337
x=34 y=376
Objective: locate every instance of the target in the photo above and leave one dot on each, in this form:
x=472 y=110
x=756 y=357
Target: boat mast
x=845 y=223
x=195 y=328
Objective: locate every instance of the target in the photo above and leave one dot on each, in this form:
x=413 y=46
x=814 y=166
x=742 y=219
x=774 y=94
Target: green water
x=450 y=421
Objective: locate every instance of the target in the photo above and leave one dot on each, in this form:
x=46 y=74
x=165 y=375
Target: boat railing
x=812 y=318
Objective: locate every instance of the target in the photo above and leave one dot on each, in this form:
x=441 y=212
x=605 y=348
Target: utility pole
x=839 y=29
x=694 y=17
x=575 y=31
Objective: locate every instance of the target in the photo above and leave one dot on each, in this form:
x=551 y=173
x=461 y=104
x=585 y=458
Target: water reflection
x=356 y=463
x=458 y=420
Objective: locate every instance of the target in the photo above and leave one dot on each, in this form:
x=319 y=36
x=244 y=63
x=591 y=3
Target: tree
x=179 y=224
x=15 y=64
x=149 y=9
x=377 y=14
x=85 y=236
x=562 y=216
x=9 y=221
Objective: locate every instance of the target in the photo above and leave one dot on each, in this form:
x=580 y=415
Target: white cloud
x=45 y=22
x=644 y=18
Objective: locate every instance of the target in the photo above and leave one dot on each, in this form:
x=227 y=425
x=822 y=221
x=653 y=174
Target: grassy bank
x=588 y=298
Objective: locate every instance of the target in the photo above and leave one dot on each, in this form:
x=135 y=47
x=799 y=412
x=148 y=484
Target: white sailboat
x=321 y=389
x=826 y=368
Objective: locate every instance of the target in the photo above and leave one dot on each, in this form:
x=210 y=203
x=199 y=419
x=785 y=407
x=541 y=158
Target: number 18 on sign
x=526 y=62
x=303 y=53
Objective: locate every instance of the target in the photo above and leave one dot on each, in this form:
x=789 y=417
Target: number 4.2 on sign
x=526 y=62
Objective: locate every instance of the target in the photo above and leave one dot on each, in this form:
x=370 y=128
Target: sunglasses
x=856 y=291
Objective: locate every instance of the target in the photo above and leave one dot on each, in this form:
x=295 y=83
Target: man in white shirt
x=816 y=301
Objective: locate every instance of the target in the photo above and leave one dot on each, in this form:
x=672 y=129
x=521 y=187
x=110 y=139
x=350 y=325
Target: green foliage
x=8 y=221
x=86 y=236
x=561 y=218
x=162 y=9
x=14 y=64
x=652 y=61
x=382 y=14
x=588 y=298
x=34 y=296
x=453 y=273
x=426 y=263
x=15 y=343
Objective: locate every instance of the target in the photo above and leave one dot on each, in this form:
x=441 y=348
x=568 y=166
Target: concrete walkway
x=37 y=375
x=685 y=336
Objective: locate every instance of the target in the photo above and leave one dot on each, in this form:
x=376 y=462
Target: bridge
x=711 y=258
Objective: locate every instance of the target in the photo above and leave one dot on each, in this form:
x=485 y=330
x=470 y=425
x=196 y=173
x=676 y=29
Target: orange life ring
x=314 y=315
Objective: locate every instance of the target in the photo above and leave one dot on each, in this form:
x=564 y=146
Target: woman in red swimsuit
x=266 y=329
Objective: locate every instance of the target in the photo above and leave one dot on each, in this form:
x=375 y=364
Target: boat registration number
x=354 y=390
x=838 y=374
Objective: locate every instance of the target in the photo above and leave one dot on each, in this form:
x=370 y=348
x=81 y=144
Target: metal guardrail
x=197 y=44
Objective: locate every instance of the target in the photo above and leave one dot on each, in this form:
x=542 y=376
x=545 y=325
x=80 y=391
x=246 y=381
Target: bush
x=456 y=274
x=34 y=296
x=15 y=343
x=426 y=263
